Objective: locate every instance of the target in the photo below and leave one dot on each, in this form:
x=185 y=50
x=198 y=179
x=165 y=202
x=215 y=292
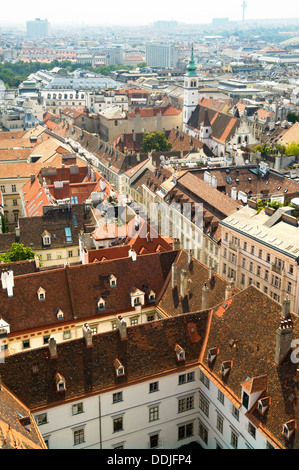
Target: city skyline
x=195 y=13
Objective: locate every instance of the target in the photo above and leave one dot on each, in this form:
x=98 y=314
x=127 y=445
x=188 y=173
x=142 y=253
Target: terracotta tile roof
x=147 y=351
x=139 y=242
x=211 y=197
x=18 y=429
x=223 y=125
x=63 y=288
x=150 y=112
x=199 y=275
x=54 y=221
x=246 y=335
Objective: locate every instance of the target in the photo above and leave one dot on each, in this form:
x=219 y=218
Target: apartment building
x=262 y=248
x=162 y=55
x=217 y=377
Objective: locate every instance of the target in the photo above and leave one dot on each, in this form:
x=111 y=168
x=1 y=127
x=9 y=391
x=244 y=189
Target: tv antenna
x=244 y=5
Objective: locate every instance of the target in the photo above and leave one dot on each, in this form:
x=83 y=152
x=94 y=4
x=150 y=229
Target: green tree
x=18 y=252
x=292 y=149
x=155 y=141
x=293 y=117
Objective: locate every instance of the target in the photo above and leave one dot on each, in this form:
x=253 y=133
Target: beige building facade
x=262 y=248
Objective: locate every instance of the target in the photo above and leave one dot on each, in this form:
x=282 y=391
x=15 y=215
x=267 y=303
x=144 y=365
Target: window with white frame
x=77 y=408
x=41 y=419
x=154 y=413
x=234 y=439
x=204 y=404
x=203 y=432
x=117 y=397
x=204 y=379
x=78 y=436
x=185 y=431
x=185 y=403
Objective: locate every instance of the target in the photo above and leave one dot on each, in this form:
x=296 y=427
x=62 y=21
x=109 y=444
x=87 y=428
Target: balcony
x=276 y=269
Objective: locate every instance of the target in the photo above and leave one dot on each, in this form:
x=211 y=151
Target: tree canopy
x=155 y=141
x=18 y=252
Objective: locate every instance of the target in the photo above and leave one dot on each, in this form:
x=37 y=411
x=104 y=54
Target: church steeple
x=191 y=67
x=191 y=94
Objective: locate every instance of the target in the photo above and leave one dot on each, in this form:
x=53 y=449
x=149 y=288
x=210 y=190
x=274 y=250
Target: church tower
x=190 y=91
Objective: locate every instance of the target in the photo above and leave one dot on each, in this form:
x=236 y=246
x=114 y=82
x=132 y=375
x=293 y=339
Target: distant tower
x=190 y=91
x=244 y=5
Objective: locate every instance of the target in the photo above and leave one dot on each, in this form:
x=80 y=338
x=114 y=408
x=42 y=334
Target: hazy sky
x=145 y=11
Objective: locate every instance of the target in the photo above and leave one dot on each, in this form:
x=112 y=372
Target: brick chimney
x=122 y=327
x=284 y=336
x=183 y=283
x=52 y=347
x=205 y=296
x=229 y=290
x=173 y=275
x=87 y=333
x=285 y=311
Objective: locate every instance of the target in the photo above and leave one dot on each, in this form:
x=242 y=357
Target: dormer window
x=119 y=368
x=288 y=428
x=263 y=405
x=112 y=280
x=60 y=382
x=152 y=296
x=137 y=297
x=101 y=304
x=225 y=367
x=180 y=353
x=41 y=294
x=212 y=353
x=60 y=314
x=46 y=238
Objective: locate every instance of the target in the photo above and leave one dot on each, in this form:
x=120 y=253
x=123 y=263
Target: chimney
x=211 y=272
x=173 y=275
x=284 y=335
x=122 y=327
x=229 y=290
x=87 y=333
x=133 y=255
x=285 y=311
x=204 y=296
x=52 y=347
x=32 y=178
x=7 y=280
x=183 y=284
x=176 y=244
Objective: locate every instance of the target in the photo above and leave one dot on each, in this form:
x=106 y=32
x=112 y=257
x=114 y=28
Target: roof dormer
x=119 y=368
x=112 y=280
x=252 y=389
x=212 y=354
x=60 y=382
x=101 y=303
x=46 y=238
x=180 y=353
x=151 y=296
x=41 y=294
x=263 y=405
x=137 y=297
x=225 y=367
x=4 y=328
x=60 y=314
x=288 y=428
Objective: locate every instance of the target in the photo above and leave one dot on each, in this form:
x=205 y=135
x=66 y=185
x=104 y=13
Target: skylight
x=68 y=234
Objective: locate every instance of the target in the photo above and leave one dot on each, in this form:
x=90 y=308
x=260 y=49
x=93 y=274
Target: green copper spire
x=191 y=67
